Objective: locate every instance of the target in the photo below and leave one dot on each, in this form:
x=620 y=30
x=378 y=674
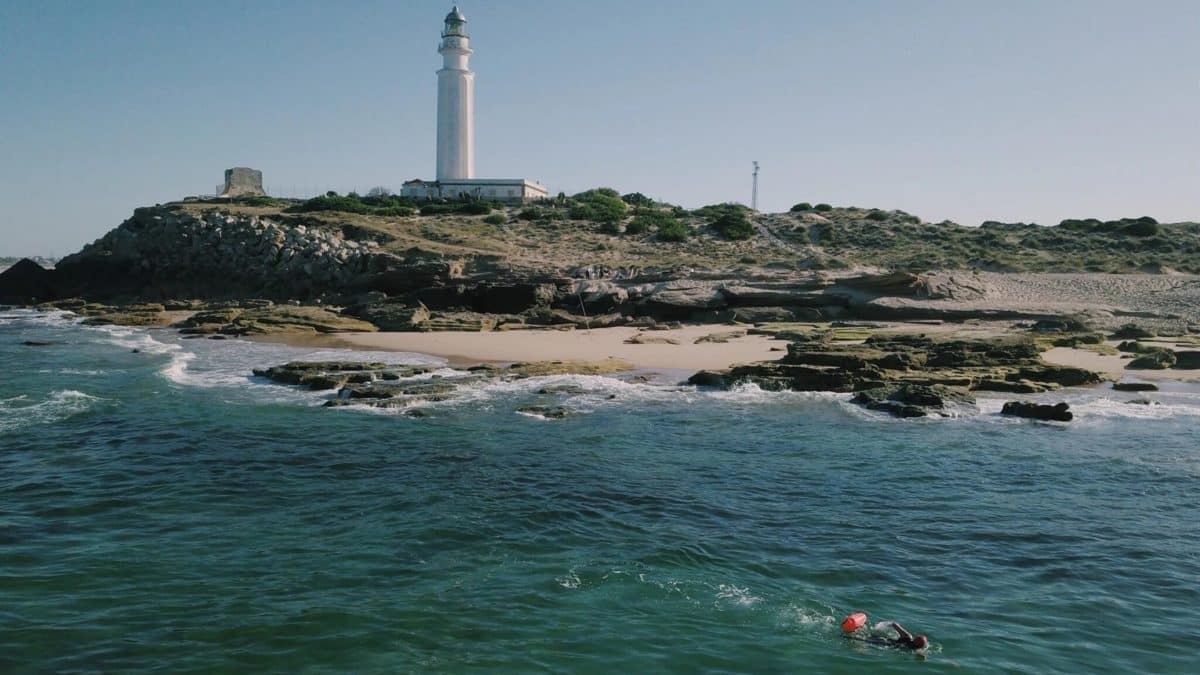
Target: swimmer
x=906 y=640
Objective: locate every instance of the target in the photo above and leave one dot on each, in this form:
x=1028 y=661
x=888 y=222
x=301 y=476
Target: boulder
x=1131 y=331
x=1060 y=412
x=596 y=297
x=643 y=339
x=392 y=315
x=1187 y=360
x=707 y=378
x=1134 y=386
x=913 y=400
x=1060 y=325
x=679 y=303
x=1159 y=359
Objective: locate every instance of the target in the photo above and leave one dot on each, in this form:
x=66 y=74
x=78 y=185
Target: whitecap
x=59 y=406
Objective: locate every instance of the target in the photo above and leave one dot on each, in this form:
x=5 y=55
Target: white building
x=456 y=131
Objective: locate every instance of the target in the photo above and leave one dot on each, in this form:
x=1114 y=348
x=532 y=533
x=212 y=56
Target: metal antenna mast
x=754 y=197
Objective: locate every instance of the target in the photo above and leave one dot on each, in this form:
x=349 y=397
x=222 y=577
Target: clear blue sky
x=967 y=110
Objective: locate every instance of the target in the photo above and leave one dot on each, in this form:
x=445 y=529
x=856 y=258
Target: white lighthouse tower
x=456 y=102
x=456 y=132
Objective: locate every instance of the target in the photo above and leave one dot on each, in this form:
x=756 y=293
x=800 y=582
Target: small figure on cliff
x=854 y=624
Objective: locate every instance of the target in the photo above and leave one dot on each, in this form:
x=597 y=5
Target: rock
x=1011 y=387
x=1159 y=359
x=272 y=319
x=1060 y=412
x=1142 y=401
x=570 y=389
x=1062 y=325
x=912 y=400
x=681 y=302
x=39 y=343
x=1134 y=386
x=1188 y=360
x=720 y=338
x=393 y=316
x=512 y=299
x=1131 y=331
x=597 y=297
x=1067 y=376
x=543 y=368
x=643 y=339
x=707 y=378
x=545 y=412
x=128 y=319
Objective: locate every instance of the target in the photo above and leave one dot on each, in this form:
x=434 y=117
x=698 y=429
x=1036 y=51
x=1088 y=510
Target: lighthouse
x=456 y=102
x=456 y=132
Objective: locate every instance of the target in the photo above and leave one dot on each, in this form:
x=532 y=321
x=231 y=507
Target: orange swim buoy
x=854 y=622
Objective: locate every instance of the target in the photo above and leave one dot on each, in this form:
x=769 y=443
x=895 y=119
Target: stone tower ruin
x=242 y=182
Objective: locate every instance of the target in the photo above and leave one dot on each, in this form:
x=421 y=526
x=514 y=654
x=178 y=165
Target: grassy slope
x=838 y=238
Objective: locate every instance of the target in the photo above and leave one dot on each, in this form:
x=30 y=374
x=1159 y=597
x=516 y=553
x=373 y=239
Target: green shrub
x=734 y=226
x=599 y=205
x=637 y=199
x=382 y=205
x=673 y=231
x=876 y=214
x=436 y=209
x=646 y=220
x=822 y=208
x=714 y=211
x=588 y=195
x=1141 y=228
x=531 y=214
x=802 y=206
x=638 y=225
x=473 y=209
x=396 y=211
x=496 y=219
x=257 y=201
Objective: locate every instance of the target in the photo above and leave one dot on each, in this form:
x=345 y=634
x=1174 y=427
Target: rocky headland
x=341 y=264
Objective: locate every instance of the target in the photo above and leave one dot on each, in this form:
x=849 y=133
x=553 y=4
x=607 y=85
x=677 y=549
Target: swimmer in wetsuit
x=906 y=640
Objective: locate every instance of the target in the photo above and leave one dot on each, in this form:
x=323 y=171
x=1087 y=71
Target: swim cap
x=854 y=622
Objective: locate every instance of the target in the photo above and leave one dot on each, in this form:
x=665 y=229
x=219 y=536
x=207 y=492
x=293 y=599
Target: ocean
x=163 y=510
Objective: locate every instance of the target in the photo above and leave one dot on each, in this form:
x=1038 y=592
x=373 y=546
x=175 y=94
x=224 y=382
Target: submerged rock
x=1059 y=412
x=545 y=412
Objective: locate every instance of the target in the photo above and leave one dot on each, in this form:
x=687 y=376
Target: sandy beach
x=462 y=348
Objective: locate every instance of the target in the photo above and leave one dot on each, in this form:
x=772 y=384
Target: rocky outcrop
x=914 y=400
x=380 y=385
x=1060 y=412
x=270 y=320
x=887 y=364
x=26 y=283
x=162 y=252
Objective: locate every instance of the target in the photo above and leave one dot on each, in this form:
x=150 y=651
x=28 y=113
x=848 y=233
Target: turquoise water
x=161 y=511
